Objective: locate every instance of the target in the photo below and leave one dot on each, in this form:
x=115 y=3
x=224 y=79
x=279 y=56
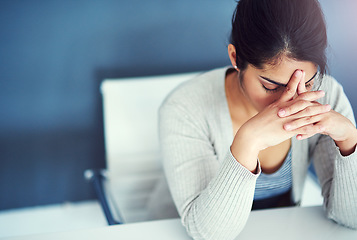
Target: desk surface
x=284 y=223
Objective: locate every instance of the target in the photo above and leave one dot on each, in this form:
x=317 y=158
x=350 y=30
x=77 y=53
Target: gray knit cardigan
x=212 y=191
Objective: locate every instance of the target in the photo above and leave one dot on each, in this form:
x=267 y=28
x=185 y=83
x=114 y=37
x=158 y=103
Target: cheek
x=262 y=99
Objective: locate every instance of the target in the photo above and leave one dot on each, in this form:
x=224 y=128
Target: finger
x=305 y=136
x=294 y=108
x=301 y=86
x=311 y=96
x=313 y=110
x=303 y=109
x=301 y=122
x=307 y=96
x=291 y=88
x=309 y=131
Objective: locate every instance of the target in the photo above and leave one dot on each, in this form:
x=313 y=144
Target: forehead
x=283 y=70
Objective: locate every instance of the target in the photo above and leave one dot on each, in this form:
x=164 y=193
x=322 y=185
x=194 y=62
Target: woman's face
x=261 y=87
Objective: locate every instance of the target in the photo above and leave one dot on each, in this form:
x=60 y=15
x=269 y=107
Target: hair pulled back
x=263 y=31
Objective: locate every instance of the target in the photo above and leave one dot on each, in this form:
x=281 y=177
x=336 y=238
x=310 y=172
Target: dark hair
x=265 y=30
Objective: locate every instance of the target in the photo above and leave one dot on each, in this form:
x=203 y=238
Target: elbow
x=352 y=224
x=348 y=224
x=349 y=221
x=219 y=229
x=214 y=233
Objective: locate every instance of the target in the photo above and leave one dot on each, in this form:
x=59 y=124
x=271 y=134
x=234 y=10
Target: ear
x=232 y=55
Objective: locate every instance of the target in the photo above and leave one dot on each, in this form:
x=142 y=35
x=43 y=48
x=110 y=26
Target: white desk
x=285 y=223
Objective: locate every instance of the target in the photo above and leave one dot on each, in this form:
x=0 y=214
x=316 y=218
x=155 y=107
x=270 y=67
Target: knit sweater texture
x=212 y=191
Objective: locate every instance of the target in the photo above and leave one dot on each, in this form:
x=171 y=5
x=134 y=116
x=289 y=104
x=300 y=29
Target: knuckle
x=307 y=103
x=308 y=111
x=321 y=128
x=289 y=90
x=302 y=104
x=309 y=129
x=305 y=130
x=303 y=95
x=318 y=128
x=308 y=119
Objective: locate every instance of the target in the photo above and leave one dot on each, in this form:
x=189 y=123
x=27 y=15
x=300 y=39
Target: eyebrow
x=282 y=84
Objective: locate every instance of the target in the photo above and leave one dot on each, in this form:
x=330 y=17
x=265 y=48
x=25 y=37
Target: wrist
x=245 y=151
x=348 y=146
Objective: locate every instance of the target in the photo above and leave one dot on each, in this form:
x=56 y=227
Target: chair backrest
x=130 y=108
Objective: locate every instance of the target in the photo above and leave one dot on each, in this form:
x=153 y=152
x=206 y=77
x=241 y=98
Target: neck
x=237 y=97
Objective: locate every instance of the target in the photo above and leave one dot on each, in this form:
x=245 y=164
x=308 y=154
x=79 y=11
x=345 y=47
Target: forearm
x=221 y=210
x=343 y=202
x=337 y=176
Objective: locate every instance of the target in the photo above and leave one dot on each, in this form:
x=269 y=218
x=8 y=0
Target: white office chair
x=130 y=108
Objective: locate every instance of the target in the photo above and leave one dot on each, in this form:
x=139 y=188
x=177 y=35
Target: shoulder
x=329 y=83
x=198 y=92
x=333 y=89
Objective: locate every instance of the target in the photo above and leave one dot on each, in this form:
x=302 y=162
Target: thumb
x=301 y=87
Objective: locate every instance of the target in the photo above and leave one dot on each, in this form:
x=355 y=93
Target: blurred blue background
x=54 y=54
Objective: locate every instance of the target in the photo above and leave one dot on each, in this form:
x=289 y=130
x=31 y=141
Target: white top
x=277 y=183
x=212 y=191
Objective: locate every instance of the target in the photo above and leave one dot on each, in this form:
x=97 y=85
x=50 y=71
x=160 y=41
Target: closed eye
x=308 y=84
x=271 y=90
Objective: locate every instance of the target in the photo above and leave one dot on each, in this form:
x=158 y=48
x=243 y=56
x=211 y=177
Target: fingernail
x=298 y=73
x=298 y=137
x=281 y=113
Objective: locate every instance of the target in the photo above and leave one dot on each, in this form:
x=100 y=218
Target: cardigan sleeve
x=337 y=174
x=213 y=198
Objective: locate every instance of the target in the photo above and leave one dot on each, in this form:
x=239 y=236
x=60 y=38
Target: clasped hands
x=297 y=113
x=310 y=117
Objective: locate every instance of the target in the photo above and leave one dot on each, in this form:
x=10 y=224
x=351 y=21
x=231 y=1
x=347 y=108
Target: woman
x=242 y=137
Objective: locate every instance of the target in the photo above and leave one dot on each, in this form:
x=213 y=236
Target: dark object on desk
x=96 y=177
x=282 y=200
